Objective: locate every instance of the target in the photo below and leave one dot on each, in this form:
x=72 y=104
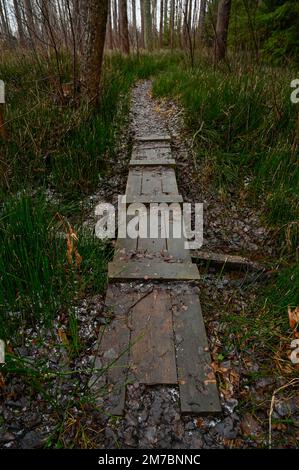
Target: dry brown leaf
x=294 y=319
x=2 y=381
x=63 y=337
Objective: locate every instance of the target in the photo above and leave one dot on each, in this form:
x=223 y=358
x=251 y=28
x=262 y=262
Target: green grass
x=67 y=147
x=37 y=278
x=244 y=125
x=244 y=129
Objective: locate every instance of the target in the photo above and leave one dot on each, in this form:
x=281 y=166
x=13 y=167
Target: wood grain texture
x=197 y=382
x=153 y=354
x=147 y=269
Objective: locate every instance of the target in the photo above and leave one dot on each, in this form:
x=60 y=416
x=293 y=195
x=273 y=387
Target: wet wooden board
x=147 y=269
x=169 y=183
x=155 y=245
x=158 y=162
x=176 y=246
x=134 y=182
x=197 y=382
x=225 y=261
x=153 y=354
x=113 y=352
x=153 y=138
x=145 y=199
x=151 y=154
x=151 y=182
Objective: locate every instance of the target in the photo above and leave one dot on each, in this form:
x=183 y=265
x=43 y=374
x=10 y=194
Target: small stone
x=226 y=428
x=151 y=434
x=6 y=437
x=32 y=440
x=196 y=443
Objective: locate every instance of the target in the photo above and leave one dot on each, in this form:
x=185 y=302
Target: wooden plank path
x=156 y=335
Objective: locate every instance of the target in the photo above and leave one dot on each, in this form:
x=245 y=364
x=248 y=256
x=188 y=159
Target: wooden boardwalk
x=156 y=335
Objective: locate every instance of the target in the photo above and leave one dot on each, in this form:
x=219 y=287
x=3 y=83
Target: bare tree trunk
x=172 y=15
x=115 y=25
x=222 y=29
x=154 y=20
x=202 y=17
x=124 y=29
x=161 y=23
x=63 y=26
x=96 y=32
x=185 y=22
x=109 y=35
x=19 y=23
x=134 y=21
x=30 y=21
x=142 y=7
x=77 y=24
x=4 y=20
x=148 y=25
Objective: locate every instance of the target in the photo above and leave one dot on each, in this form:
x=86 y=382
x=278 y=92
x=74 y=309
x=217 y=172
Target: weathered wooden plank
x=197 y=382
x=146 y=199
x=152 y=245
x=153 y=138
x=169 y=183
x=225 y=261
x=152 y=270
x=153 y=354
x=156 y=163
x=151 y=153
x=134 y=182
x=151 y=182
x=176 y=240
x=125 y=247
x=113 y=353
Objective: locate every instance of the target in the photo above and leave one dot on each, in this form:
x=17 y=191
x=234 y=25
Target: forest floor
x=66 y=417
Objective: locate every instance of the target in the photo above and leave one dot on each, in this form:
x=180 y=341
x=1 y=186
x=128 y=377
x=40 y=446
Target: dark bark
x=124 y=29
x=96 y=33
x=222 y=29
x=19 y=23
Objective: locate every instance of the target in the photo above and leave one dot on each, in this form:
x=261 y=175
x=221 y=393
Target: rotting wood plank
x=169 y=183
x=152 y=360
x=150 y=245
x=197 y=382
x=153 y=138
x=145 y=199
x=225 y=261
x=151 y=154
x=151 y=269
x=157 y=163
x=113 y=352
x=134 y=182
x=151 y=182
